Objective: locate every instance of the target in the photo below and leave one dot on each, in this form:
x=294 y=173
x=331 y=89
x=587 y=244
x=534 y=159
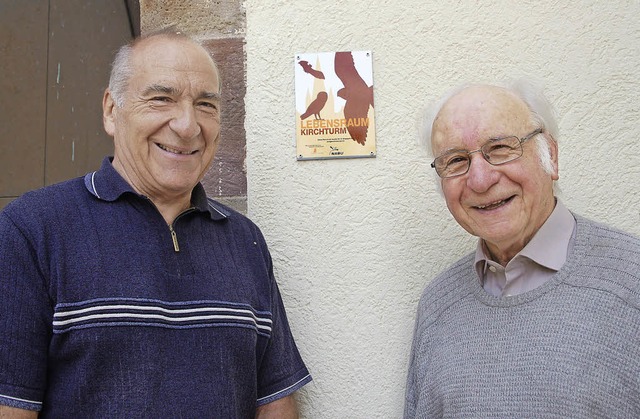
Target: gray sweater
x=568 y=349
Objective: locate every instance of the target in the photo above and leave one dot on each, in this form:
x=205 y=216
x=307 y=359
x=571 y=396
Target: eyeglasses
x=496 y=151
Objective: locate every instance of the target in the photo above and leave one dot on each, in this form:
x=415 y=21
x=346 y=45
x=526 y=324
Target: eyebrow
x=493 y=138
x=209 y=96
x=454 y=150
x=158 y=88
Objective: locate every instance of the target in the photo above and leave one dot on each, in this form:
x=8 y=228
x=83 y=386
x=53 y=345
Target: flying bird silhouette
x=316 y=106
x=306 y=67
x=356 y=93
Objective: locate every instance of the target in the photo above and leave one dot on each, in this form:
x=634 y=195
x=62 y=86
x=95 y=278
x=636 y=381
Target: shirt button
x=492 y=268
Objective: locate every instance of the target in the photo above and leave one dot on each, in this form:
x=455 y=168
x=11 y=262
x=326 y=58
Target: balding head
x=480 y=111
x=122 y=67
x=540 y=112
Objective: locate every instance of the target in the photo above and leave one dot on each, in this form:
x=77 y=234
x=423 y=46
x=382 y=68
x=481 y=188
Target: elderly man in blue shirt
x=128 y=292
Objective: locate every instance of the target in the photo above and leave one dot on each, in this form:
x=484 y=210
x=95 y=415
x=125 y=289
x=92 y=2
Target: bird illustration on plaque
x=334 y=105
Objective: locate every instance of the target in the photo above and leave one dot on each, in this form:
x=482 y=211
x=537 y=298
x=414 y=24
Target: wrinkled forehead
x=474 y=115
x=173 y=54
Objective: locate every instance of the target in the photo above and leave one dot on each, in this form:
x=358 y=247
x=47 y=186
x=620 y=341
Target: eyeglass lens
x=496 y=151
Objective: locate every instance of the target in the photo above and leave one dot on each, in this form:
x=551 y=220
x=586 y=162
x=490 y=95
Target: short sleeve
x=282 y=370
x=25 y=319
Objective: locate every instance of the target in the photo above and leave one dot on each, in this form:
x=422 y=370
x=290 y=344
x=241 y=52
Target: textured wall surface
x=200 y=17
x=355 y=241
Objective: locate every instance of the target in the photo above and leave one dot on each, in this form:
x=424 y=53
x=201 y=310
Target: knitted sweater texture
x=568 y=349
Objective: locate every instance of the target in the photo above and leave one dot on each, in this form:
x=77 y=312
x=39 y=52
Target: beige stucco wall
x=355 y=241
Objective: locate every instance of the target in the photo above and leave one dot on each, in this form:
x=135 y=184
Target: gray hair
x=122 y=68
x=121 y=71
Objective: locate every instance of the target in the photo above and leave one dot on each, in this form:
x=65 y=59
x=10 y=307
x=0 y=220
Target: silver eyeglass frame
x=484 y=155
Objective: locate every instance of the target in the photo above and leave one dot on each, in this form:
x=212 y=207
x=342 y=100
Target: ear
x=553 y=151
x=108 y=113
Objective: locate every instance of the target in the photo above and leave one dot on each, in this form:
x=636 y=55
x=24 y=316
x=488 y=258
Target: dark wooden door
x=55 y=63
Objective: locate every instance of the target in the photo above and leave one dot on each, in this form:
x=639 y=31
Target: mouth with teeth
x=174 y=151
x=493 y=205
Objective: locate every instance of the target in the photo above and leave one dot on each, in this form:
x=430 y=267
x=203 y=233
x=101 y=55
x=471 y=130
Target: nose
x=481 y=175
x=184 y=123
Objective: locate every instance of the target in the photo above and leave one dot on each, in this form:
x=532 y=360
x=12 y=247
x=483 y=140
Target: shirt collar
x=548 y=247
x=107 y=185
x=550 y=244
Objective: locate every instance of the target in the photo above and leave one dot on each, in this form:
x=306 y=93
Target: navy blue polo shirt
x=105 y=311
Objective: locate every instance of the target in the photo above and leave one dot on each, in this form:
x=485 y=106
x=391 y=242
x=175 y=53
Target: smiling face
x=504 y=205
x=166 y=132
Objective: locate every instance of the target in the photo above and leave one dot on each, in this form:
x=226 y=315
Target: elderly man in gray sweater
x=542 y=320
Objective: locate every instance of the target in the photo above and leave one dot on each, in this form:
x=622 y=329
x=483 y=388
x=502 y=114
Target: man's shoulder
x=607 y=246
x=606 y=258
x=447 y=288
x=229 y=214
x=602 y=238
x=234 y=219
x=225 y=210
x=50 y=199
x=461 y=269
